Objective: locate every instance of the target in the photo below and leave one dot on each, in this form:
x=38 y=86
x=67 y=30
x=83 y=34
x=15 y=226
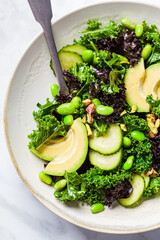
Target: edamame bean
x=68 y=120
x=139 y=30
x=54 y=89
x=128 y=164
x=60 y=185
x=76 y=101
x=137 y=135
x=66 y=109
x=97 y=207
x=128 y=23
x=95 y=60
x=126 y=142
x=87 y=56
x=96 y=102
x=45 y=178
x=104 y=110
x=146 y=52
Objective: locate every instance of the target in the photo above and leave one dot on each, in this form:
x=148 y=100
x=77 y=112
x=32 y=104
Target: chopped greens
x=154 y=105
x=100 y=78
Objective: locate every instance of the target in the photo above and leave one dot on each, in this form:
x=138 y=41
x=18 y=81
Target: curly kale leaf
x=84 y=73
x=75 y=188
x=153 y=188
x=91 y=186
x=154 y=105
x=117 y=71
x=110 y=60
x=48 y=127
x=142 y=153
x=150 y=33
x=93 y=25
x=115 y=81
x=45 y=109
x=133 y=122
x=101 y=127
x=154 y=57
x=92 y=35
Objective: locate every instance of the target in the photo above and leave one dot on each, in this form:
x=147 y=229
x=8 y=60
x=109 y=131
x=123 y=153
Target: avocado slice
x=152 y=81
x=65 y=154
x=134 y=80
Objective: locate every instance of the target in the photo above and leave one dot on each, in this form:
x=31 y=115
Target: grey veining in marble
x=22 y=216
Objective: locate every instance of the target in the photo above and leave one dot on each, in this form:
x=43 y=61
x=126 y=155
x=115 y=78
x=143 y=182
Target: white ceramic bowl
x=31 y=84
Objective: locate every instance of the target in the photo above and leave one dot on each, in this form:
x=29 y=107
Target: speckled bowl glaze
x=31 y=84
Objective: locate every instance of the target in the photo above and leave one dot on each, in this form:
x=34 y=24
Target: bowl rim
x=41 y=199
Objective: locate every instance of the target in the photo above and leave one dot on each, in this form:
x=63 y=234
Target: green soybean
x=104 y=110
x=128 y=164
x=128 y=23
x=54 y=89
x=97 y=207
x=87 y=56
x=68 y=120
x=66 y=109
x=126 y=142
x=60 y=185
x=76 y=101
x=45 y=178
x=139 y=30
x=137 y=135
x=146 y=52
x=96 y=101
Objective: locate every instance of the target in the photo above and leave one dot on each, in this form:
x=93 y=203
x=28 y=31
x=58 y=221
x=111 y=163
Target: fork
x=43 y=14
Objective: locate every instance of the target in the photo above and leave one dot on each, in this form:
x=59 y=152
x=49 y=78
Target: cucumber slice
x=77 y=48
x=146 y=179
x=106 y=162
x=69 y=59
x=109 y=143
x=138 y=188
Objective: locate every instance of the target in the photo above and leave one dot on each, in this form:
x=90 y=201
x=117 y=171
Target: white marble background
x=22 y=216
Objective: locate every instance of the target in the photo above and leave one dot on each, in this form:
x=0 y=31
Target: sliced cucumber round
x=69 y=59
x=146 y=179
x=109 y=143
x=106 y=162
x=77 y=48
x=138 y=188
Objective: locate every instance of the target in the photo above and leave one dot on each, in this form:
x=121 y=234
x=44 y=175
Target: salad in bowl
x=100 y=142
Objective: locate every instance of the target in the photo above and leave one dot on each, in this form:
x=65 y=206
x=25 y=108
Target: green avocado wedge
x=134 y=80
x=65 y=154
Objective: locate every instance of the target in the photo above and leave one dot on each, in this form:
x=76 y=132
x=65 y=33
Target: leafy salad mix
x=101 y=140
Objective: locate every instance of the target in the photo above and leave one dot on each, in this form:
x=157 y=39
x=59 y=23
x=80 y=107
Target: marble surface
x=22 y=216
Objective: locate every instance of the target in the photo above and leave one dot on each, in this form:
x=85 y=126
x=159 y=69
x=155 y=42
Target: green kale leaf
x=101 y=127
x=91 y=186
x=93 y=25
x=154 y=105
x=91 y=35
x=142 y=153
x=153 y=188
x=154 y=57
x=45 y=109
x=133 y=122
x=84 y=73
x=75 y=188
x=48 y=127
x=150 y=33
